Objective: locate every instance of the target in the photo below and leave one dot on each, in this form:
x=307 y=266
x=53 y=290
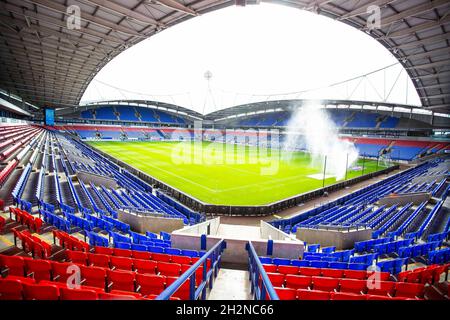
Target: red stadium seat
x=104 y=250
x=347 y=296
x=40 y=292
x=61 y=285
x=39 y=269
x=305 y=271
x=77 y=294
x=183 y=291
x=134 y=294
x=21 y=279
x=332 y=273
x=277 y=279
x=150 y=283
x=161 y=257
x=10 y=289
x=208 y=262
x=112 y=296
x=270 y=267
x=375 y=297
x=381 y=288
x=12 y=265
x=288 y=269
x=122 y=253
x=378 y=276
x=121 y=280
x=169 y=269
x=145 y=266
x=198 y=272
x=352 y=286
x=355 y=274
x=61 y=271
x=430 y=274
x=93 y=276
x=143 y=255
x=438 y=271
x=78 y=257
x=304 y=294
x=286 y=293
x=325 y=284
x=99 y=260
x=298 y=282
x=2 y=222
x=409 y=290
x=410 y=276
x=122 y=263
x=181 y=259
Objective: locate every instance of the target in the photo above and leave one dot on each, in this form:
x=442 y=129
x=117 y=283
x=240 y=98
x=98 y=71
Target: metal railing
x=261 y=287
x=214 y=254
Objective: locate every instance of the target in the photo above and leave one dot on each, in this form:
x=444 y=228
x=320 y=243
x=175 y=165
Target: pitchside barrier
x=261 y=210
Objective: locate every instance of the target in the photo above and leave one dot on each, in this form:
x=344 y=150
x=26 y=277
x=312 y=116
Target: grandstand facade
x=78 y=223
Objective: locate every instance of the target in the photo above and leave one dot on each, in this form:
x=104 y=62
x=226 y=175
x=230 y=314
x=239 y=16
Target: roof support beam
x=36 y=88
x=414 y=11
x=428 y=54
x=172 y=4
x=124 y=11
x=435 y=86
x=422 y=42
x=445 y=107
x=362 y=10
x=86 y=17
x=71 y=39
x=437 y=96
x=432 y=76
x=58 y=23
x=423 y=26
x=429 y=65
x=37 y=75
x=39 y=52
x=43 y=67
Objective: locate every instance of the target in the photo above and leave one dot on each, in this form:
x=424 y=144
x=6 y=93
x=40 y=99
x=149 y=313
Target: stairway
x=231 y=284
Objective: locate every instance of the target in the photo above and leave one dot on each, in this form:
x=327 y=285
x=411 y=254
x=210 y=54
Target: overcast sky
x=254 y=53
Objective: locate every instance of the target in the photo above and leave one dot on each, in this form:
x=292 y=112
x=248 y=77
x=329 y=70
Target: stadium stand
x=123 y=113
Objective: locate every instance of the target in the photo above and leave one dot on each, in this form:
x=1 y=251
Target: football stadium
x=263 y=182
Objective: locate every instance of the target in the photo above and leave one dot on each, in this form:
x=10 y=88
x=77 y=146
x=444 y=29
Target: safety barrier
x=214 y=254
x=264 y=289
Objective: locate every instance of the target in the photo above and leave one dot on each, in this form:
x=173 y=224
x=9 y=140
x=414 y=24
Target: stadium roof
x=46 y=63
x=292 y=104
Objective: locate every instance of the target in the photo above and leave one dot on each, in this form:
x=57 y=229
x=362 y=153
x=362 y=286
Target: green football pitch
x=227 y=174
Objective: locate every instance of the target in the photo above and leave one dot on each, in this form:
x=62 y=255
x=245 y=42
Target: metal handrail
x=215 y=254
x=257 y=272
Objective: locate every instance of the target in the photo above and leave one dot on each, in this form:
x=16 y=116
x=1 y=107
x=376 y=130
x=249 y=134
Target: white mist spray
x=312 y=129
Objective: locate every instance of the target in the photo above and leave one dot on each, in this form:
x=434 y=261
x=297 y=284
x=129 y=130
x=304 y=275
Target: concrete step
x=231 y=284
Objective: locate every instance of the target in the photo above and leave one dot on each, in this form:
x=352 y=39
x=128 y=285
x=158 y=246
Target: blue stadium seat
x=338 y=265
x=173 y=251
x=300 y=263
x=265 y=260
x=281 y=261
x=190 y=253
x=357 y=266
x=319 y=264
x=138 y=247
x=122 y=245
x=155 y=249
x=313 y=247
x=329 y=249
